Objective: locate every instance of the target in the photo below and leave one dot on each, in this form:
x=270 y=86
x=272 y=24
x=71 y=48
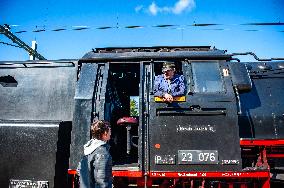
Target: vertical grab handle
x=238 y=100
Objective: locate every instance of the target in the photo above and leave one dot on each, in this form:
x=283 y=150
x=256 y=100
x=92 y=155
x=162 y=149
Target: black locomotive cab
x=197 y=132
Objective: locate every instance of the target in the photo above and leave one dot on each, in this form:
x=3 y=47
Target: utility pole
x=34 y=47
x=6 y=31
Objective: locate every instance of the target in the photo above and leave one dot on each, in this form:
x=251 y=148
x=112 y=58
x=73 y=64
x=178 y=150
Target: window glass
x=206 y=77
x=134 y=105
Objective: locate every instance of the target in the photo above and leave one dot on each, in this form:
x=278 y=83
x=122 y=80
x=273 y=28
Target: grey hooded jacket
x=95 y=168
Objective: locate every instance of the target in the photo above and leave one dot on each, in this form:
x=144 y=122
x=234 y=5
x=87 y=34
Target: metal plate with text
x=27 y=184
x=197 y=157
x=165 y=159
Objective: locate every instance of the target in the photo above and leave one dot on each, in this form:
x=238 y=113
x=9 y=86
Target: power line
x=210 y=26
x=5 y=30
x=10 y=44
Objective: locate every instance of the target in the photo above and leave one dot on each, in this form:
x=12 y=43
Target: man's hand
x=168 y=98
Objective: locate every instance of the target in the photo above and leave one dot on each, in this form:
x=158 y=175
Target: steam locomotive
x=226 y=131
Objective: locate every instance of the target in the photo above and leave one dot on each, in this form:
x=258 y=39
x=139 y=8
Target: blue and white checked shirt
x=175 y=87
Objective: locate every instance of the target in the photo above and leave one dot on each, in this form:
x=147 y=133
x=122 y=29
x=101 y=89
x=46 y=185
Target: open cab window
x=200 y=77
x=178 y=70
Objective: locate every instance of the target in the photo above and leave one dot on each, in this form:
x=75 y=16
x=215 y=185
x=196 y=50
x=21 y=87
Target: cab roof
x=155 y=53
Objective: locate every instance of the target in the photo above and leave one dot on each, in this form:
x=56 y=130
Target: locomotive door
x=145 y=94
x=201 y=133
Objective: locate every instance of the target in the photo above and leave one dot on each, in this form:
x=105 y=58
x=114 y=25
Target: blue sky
x=265 y=41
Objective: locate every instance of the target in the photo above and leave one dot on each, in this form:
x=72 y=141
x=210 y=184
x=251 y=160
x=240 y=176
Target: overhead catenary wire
x=5 y=30
x=10 y=44
x=205 y=26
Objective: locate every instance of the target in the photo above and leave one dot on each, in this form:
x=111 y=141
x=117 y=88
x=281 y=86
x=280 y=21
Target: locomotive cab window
x=169 y=82
x=207 y=77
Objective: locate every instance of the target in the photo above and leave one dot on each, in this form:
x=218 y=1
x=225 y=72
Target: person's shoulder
x=179 y=76
x=103 y=149
x=159 y=77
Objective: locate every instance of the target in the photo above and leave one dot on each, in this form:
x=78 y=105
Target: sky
x=231 y=35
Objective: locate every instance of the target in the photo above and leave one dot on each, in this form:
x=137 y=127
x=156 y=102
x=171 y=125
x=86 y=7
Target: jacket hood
x=92 y=145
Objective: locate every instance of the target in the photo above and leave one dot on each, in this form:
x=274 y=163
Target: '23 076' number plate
x=197 y=157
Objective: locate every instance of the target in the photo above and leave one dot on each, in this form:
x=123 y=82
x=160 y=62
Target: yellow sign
x=176 y=99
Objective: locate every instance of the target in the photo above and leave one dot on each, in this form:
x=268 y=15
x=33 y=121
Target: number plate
x=197 y=157
x=27 y=184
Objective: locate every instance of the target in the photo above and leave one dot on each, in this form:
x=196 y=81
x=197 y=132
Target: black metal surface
x=38 y=93
x=146 y=70
x=35 y=150
x=178 y=111
x=240 y=77
x=151 y=49
x=207 y=132
x=62 y=154
x=100 y=92
x=38 y=63
x=206 y=121
x=35 y=121
x=263 y=107
x=83 y=111
x=255 y=57
x=28 y=151
x=143 y=56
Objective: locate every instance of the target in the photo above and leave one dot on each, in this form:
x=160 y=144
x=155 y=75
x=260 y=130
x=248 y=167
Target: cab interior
x=122 y=87
x=122 y=100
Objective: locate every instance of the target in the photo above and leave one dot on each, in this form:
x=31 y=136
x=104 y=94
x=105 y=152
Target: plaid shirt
x=175 y=87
